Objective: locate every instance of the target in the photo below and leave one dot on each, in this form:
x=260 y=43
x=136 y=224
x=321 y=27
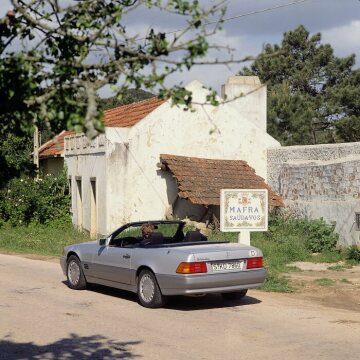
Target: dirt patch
x=338 y=288
x=32 y=256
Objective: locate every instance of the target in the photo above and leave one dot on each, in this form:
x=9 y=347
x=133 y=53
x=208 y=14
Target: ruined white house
x=155 y=160
x=118 y=178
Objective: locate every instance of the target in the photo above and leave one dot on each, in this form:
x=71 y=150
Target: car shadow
x=180 y=303
x=209 y=301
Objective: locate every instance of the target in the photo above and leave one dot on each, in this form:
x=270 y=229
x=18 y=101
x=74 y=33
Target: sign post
x=243 y=211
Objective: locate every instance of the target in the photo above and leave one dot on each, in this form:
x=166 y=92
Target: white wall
x=138 y=190
x=248 y=96
x=87 y=167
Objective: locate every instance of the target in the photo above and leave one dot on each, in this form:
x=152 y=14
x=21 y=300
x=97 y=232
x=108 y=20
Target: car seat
x=194 y=236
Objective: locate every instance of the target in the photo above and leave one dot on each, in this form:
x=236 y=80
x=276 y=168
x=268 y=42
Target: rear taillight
x=191 y=268
x=254 y=263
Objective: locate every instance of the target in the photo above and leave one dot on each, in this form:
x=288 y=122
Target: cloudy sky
x=337 y=20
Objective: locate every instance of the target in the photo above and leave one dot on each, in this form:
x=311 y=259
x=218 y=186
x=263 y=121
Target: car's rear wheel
x=148 y=290
x=75 y=275
x=235 y=295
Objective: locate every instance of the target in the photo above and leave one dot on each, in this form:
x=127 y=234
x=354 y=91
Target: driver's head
x=147 y=230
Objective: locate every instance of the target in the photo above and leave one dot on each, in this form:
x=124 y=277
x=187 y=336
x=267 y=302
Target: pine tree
x=313 y=96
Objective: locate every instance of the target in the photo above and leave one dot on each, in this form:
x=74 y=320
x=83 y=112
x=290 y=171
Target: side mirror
x=102 y=242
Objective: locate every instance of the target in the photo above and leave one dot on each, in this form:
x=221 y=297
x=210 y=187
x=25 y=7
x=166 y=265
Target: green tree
x=73 y=49
x=15 y=157
x=311 y=92
x=131 y=96
x=348 y=126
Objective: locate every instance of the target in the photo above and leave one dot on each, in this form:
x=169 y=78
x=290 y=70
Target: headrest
x=156 y=238
x=194 y=236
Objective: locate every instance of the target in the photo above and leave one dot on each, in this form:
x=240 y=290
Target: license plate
x=233 y=265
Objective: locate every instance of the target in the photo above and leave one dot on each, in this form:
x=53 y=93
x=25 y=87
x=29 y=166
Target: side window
x=127 y=238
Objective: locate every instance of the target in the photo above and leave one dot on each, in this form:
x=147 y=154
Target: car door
x=112 y=262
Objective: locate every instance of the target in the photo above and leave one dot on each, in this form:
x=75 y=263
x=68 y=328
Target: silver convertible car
x=169 y=262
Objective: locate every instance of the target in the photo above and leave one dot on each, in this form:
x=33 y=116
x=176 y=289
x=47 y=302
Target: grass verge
x=284 y=243
x=39 y=239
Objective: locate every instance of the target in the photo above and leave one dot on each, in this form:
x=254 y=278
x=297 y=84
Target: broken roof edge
x=199 y=194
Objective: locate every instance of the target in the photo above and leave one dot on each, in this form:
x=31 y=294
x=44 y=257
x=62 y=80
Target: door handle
x=127 y=256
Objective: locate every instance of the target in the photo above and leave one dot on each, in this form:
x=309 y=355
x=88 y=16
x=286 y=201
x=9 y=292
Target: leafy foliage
x=27 y=200
x=313 y=234
x=320 y=236
x=73 y=49
x=15 y=157
x=131 y=96
x=353 y=253
x=313 y=96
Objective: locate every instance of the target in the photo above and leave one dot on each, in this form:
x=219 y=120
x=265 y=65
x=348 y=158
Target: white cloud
x=344 y=39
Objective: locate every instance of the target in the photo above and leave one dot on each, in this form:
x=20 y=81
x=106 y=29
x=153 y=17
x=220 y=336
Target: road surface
x=41 y=318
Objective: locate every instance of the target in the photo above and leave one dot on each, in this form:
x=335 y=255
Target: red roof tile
x=129 y=115
x=200 y=180
x=54 y=147
x=122 y=116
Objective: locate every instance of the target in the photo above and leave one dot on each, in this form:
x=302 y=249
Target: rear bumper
x=210 y=283
x=63 y=264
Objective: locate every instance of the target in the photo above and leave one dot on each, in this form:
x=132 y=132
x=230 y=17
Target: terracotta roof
x=200 y=180
x=129 y=115
x=54 y=147
x=122 y=116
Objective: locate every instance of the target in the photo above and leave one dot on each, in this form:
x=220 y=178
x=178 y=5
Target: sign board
x=243 y=209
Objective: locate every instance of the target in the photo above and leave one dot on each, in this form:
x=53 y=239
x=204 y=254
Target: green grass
x=325 y=282
x=39 y=239
x=284 y=243
x=333 y=256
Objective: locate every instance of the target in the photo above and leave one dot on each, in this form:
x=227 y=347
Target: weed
x=276 y=282
x=346 y=281
x=325 y=281
x=340 y=267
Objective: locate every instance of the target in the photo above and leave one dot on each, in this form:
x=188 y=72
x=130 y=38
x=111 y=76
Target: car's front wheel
x=75 y=275
x=235 y=295
x=148 y=290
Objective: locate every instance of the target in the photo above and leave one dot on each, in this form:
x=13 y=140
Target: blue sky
x=337 y=20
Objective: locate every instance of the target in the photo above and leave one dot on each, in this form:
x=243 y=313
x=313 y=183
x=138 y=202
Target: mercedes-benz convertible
x=169 y=262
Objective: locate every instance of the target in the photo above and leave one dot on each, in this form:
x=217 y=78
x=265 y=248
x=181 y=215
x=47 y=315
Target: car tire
x=235 y=295
x=148 y=290
x=75 y=276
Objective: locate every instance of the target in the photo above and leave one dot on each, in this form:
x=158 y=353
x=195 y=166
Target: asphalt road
x=41 y=318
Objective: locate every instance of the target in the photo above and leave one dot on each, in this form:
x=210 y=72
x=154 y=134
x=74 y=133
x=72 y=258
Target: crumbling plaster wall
x=320 y=181
x=141 y=191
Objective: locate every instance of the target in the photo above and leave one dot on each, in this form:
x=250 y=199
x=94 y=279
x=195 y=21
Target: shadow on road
x=210 y=301
x=74 y=347
x=182 y=303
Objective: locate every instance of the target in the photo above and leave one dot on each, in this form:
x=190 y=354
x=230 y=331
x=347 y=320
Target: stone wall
x=320 y=181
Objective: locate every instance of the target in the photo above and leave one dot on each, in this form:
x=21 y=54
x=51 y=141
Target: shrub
x=42 y=200
x=320 y=236
x=353 y=253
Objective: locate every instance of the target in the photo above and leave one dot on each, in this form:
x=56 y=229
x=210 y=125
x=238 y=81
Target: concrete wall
x=87 y=165
x=320 y=181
